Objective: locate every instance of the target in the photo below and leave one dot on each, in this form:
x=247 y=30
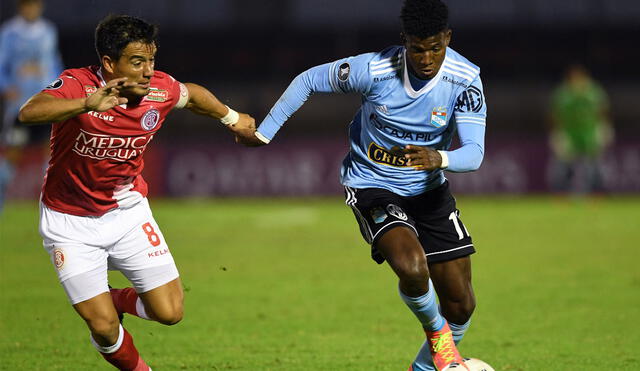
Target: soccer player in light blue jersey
x=29 y=61
x=415 y=97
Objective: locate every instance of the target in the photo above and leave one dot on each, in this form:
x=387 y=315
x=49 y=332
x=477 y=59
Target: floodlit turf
x=288 y=285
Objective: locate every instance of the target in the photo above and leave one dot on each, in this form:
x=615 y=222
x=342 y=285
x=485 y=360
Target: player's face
x=425 y=56
x=136 y=64
x=31 y=11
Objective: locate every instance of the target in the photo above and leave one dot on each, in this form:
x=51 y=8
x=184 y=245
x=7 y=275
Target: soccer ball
x=473 y=364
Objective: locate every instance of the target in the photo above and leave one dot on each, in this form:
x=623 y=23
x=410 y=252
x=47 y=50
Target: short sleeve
x=65 y=86
x=178 y=92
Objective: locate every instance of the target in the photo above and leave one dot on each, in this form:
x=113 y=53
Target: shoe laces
x=443 y=345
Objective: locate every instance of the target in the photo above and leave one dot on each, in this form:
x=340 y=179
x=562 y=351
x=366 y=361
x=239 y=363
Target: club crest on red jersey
x=150 y=119
x=58 y=258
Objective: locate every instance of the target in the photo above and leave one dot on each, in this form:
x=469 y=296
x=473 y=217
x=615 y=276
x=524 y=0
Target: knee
x=170 y=316
x=459 y=311
x=107 y=328
x=413 y=275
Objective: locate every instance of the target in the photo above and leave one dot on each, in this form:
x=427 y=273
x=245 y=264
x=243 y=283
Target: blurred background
x=247 y=52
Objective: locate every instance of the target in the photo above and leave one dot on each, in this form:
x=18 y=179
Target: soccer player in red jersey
x=94 y=213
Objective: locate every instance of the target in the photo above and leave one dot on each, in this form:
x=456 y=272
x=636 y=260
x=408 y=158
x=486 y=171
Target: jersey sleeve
x=470 y=113
x=351 y=75
x=342 y=76
x=178 y=93
x=5 y=54
x=65 y=86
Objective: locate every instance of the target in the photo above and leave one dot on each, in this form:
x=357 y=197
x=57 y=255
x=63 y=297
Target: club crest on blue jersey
x=378 y=215
x=439 y=116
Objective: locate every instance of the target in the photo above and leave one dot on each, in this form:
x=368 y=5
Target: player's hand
x=422 y=158
x=108 y=96
x=245 y=131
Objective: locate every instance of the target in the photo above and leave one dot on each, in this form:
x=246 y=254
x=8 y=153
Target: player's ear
x=447 y=37
x=108 y=64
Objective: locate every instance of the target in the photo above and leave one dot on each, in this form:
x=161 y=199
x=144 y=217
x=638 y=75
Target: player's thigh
x=377 y=212
x=400 y=247
x=441 y=231
x=142 y=254
x=81 y=266
x=165 y=303
x=452 y=278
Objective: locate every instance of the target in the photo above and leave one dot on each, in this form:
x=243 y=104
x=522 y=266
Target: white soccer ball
x=473 y=364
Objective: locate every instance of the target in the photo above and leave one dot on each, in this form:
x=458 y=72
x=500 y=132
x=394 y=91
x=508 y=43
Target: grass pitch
x=289 y=285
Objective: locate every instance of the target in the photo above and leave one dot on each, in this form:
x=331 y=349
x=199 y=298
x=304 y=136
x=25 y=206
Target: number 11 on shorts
x=153 y=237
x=456 y=223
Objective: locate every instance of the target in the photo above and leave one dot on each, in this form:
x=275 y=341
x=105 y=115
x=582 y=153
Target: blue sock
x=458 y=331
x=425 y=308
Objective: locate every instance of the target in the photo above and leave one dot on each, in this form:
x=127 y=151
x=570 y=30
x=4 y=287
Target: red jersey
x=96 y=157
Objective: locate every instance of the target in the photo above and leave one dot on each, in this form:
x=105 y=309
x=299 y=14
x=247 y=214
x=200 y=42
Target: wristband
x=230 y=118
x=445 y=160
x=262 y=138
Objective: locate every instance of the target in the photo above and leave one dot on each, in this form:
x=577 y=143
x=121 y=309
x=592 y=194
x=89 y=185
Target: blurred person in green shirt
x=580 y=134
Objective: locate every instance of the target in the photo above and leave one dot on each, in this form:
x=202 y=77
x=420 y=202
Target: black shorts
x=432 y=215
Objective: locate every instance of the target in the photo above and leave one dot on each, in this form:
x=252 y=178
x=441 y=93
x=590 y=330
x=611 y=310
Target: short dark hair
x=424 y=18
x=115 y=32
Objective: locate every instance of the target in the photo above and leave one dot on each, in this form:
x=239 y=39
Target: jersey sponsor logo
x=343 y=71
x=378 y=215
x=105 y=147
x=150 y=119
x=453 y=81
x=439 y=116
x=58 y=258
x=55 y=84
x=382 y=156
x=101 y=116
x=401 y=134
x=90 y=89
x=471 y=100
x=157 y=95
x=159 y=252
x=396 y=211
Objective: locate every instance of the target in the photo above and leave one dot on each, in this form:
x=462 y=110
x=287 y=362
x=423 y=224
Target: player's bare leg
x=162 y=304
x=405 y=255
x=165 y=303
x=113 y=342
x=452 y=281
x=402 y=250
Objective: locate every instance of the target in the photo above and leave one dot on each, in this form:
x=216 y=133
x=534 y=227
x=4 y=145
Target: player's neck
x=416 y=82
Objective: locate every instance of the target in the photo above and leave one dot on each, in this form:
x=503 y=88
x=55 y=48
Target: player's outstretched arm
x=44 y=108
x=203 y=102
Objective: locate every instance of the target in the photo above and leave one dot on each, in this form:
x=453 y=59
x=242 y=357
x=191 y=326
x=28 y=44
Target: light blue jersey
x=29 y=60
x=394 y=115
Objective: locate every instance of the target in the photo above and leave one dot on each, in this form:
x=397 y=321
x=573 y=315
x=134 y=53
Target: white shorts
x=82 y=248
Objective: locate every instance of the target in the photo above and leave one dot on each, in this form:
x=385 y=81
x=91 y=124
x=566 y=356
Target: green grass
x=288 y=285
